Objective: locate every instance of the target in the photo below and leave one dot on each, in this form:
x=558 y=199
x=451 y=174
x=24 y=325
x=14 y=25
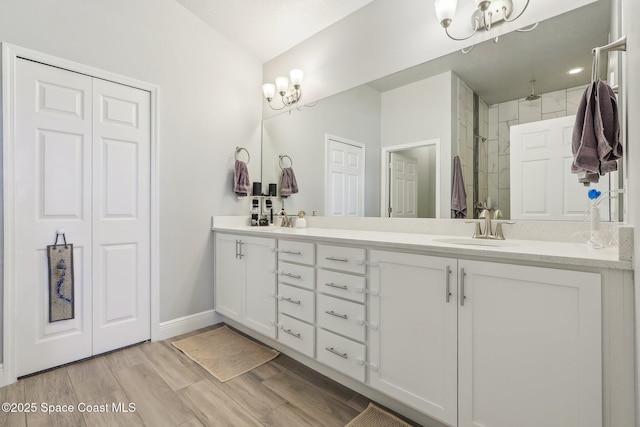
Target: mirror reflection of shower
x=533 y=95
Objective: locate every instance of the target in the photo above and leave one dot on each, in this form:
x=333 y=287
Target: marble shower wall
x=465 y=120
x=504 y=115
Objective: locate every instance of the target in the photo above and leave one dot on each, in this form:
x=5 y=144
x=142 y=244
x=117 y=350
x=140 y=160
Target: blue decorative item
x=594 y=194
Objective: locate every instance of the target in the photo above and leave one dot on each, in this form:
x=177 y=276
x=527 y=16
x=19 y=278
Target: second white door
x=404 y=186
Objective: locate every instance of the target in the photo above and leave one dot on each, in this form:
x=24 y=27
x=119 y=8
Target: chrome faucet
x=488 y=232
x=287 y=221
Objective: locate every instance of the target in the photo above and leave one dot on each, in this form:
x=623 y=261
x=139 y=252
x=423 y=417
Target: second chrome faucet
x=488 y=232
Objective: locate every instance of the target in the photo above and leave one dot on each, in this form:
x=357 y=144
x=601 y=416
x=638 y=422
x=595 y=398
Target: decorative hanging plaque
x=61 y=306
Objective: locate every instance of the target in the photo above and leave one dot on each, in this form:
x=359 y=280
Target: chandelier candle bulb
x=282 y=83
x=296 y=77
x=269 y=89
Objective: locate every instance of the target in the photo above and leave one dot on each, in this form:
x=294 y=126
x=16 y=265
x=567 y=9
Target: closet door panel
x=121 y=214
x=52 y=174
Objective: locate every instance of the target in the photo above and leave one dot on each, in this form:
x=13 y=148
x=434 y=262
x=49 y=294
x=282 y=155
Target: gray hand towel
x=288 y=183
x=241 y=181
x=459 y=194
x=596 y=133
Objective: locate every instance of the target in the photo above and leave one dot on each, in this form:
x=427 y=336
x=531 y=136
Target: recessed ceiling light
x=575 y=70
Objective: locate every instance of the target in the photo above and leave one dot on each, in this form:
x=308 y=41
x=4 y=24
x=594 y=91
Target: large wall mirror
x=356 y=153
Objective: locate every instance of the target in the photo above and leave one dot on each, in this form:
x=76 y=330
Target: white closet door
x=121 y=216
x=53 y=190
x=82 y=164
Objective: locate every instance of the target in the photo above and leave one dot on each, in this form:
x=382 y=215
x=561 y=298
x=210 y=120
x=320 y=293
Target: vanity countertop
x=561 y=253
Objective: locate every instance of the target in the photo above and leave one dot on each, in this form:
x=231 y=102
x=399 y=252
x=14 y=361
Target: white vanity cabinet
x=481 y=342
x=245 y=284
x=413 y=331
x=529 y=346
x=487 y=344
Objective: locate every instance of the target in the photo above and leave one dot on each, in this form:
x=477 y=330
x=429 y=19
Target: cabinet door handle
x=333 y=313
x=291 y=301
x=333 y=285
x=448 y=277
x=290 y=332
x=331 y=258
x=462 y=296
x=285 y=251
x=294 y=276
x=334 y=351
x=240 y=254
x=237 y=241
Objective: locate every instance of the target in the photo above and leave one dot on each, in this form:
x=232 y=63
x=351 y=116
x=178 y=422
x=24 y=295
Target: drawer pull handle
x=448 y=287
x=331 y=258
x=293 y=276
x=462 y=295
x=333 y=313
x=295 y=334
x=291 y=252
x=334 y=351
x=291 y=301
x=333 y=285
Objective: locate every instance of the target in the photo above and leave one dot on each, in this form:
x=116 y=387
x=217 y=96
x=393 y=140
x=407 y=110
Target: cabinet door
x=229 y=275
x=260 y=287
x=413 y=351
x=529 y=347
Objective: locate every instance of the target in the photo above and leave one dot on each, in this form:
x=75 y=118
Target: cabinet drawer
x=296 y=302
x=298 y=275
x=296 y=334
x=342 y=258
x=342 y=285
x=343 y=317
x=301 y=252
x=341 y=354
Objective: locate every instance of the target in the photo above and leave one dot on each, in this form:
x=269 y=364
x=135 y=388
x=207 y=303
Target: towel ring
x=240 y=149
x=281 y=157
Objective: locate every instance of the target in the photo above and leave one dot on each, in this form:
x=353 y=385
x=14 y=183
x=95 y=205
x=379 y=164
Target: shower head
x=533 y=95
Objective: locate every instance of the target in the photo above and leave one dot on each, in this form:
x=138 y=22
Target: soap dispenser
x=301 y=222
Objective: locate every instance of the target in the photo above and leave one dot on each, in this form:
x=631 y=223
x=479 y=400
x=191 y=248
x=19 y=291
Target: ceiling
x=267 y=28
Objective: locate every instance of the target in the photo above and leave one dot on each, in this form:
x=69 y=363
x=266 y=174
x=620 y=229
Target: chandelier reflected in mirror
x=487 y=14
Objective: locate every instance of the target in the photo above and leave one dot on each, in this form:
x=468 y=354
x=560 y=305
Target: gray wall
x=418 y=112
x=210 y=102
x=354 y=115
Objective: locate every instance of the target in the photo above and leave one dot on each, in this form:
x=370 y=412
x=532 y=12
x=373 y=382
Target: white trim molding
x=186 y=324
x=10 y=54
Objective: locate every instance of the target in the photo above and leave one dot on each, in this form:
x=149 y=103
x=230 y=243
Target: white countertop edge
x=561 y=253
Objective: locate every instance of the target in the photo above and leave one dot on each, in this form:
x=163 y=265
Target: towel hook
x=618 y=45
x=240 y=149
x=281 y=157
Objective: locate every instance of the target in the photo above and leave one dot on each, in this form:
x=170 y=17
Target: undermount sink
x=469 y=241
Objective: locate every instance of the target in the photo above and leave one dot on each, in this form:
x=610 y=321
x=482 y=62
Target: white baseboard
x=182 y=325
x=3 y=379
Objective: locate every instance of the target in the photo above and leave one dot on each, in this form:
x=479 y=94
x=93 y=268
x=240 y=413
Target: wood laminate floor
x=168 y=389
